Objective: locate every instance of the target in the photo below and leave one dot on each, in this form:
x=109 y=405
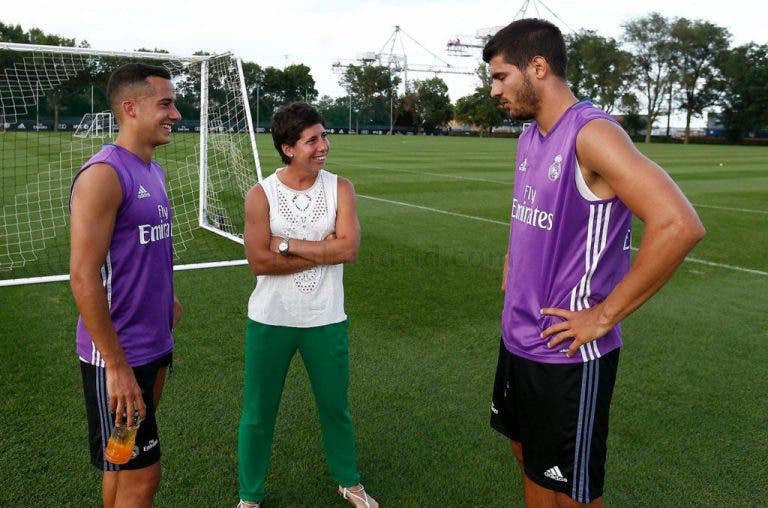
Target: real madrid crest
x=556 y=168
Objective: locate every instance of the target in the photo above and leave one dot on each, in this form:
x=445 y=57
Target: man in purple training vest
x=567 y=276
x=121 y=273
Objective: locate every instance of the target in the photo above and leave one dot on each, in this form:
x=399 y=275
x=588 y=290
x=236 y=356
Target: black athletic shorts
x=559 y=415
x=100 y=421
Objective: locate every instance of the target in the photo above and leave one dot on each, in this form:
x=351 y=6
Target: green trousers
x=268 y=353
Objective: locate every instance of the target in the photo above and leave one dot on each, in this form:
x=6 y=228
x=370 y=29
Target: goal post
x=46 y=94
x=95 y=125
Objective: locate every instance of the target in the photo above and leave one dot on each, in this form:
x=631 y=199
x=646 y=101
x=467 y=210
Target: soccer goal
x=95 y=125
x=47 y=132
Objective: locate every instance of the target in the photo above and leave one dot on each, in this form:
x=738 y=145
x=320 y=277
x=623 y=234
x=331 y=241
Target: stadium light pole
x=349 y=126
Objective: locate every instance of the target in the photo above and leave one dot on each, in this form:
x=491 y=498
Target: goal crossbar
x=71 y=50
x=210 y=164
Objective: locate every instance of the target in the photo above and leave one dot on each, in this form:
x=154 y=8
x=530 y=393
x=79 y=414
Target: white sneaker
x=247 y=504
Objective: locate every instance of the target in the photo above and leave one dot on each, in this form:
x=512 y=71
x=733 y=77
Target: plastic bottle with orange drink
x=120 y=445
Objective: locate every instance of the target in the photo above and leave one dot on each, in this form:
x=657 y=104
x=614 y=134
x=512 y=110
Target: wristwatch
x=282 y=247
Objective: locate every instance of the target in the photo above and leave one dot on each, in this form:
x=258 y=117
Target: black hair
x=522 y=40
x=129 y=75
x=289 y=122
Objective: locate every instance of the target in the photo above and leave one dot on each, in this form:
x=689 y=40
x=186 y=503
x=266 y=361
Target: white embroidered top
x=314 y=297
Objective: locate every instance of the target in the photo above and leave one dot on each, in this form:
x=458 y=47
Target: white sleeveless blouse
x=314 y=297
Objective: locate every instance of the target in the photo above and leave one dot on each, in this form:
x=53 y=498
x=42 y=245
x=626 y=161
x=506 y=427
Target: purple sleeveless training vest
x=566 y=250
x=138 y=272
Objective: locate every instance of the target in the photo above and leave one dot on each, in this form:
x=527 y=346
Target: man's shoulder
x=98 y=171
x=97 y=185
x=528 y=132
x=106 y=152
x=585 y=111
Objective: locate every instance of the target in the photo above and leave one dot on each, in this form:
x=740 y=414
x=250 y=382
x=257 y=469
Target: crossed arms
x=261 y=246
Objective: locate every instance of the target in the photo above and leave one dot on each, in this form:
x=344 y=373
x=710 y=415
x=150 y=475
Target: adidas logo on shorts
x=555 y=474
x=143 y=193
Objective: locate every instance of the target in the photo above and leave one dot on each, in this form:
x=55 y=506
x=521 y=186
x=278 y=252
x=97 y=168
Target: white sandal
x=356 y=494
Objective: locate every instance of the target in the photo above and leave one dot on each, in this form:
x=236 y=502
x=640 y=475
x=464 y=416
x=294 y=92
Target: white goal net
x=96 y=125
x=46 y=134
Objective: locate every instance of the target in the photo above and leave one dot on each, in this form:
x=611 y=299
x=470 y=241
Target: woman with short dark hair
x=301 y=227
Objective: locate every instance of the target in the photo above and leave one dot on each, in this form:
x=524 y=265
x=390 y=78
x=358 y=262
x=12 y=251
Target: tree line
x=658 y=67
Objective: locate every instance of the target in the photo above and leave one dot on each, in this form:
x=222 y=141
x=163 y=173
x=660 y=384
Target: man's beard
x=526 y=103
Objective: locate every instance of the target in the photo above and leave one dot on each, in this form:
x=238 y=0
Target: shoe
x=247 y=504
x=358 y=497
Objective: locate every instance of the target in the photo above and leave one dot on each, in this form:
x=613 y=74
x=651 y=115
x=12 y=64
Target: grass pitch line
x=423 y=173
x=487 y=180
x=502 y=223
x=457 y=177
x=436 y=210
x=746 y=210
x=723 y=265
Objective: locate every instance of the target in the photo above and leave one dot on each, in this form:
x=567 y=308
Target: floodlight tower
x=462 y=45
x=392 y=55
x=397 y=62
x=536 y=4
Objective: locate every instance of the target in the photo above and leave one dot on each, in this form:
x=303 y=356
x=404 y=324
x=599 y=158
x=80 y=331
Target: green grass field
x=36 y=170
x=690 y=407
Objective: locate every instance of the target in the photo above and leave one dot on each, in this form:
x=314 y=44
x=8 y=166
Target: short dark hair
x=129 y=75
x=522 y=40
x=289 y=121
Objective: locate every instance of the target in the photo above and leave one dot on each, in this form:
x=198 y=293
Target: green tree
x=373 y=88
x=745 y=101
x=631 y=120
x=254 y=81
x=37 y=36
x=188 y=91
x=650 y=40
x=334 y=110
x=51 y=98
x=12 y=33
x=406 y=110
x=433 y=105
x=483 y=74
x=479 y=109
x=298 y=84
x=253 y=75
x=598 y=68
x=699 y=51
x=155 y=50
x=279 y=87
